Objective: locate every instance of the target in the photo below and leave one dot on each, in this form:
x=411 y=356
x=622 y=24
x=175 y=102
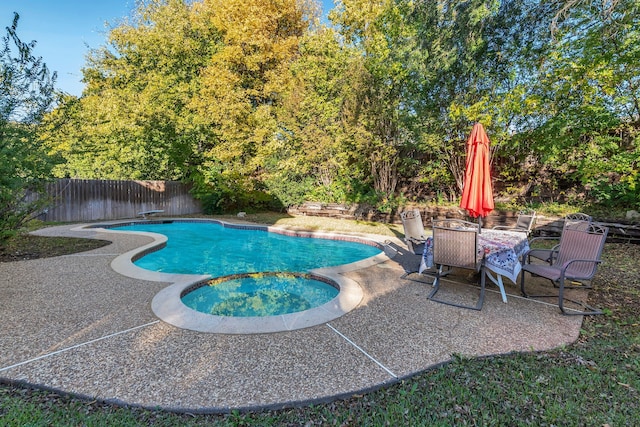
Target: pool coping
x=168 y=306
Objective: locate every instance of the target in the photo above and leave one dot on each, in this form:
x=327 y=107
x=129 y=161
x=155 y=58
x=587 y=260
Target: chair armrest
x=565 y=266
x=505 y=227
x=524 y=258
x=544 y=239
x=553 y=252
x=568 y=263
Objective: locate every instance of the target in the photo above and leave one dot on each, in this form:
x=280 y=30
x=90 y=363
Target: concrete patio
x=73 y=324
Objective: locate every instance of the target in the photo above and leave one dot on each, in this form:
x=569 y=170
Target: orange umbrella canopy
x=477 y=195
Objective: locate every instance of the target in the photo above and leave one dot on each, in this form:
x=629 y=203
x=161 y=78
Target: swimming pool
x=217 y=249
x=322 y=265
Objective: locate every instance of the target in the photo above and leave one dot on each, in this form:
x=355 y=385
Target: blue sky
x=66 y=29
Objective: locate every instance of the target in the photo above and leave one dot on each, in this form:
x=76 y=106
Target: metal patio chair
x=414 y=234
x=455 y=244
x=577 y=260
x=525 y=222
x=547 y=255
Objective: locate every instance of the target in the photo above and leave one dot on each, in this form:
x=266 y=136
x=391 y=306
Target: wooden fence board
x=79 y=200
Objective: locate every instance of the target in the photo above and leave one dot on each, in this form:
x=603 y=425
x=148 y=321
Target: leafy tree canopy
x=255 y=99
x=26 y=93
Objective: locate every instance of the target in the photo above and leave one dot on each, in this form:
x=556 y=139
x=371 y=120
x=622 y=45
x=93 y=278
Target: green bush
x=224 y=200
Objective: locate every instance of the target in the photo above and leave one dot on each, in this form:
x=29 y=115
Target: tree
x=133 y=120
x=387 y=46
x=587 y=127
x=184 y=90
x=26 y=93
x=242 y=86
x=245 y=98
x=310 y=156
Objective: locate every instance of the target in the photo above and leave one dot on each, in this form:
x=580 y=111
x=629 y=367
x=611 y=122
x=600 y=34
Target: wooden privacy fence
x=92 y=200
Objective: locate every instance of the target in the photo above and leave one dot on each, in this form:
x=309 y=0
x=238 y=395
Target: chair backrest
x=525 y=221
x=576 y=221
x=581 y=240
x=578 y=216
x=455 y=243
x=412 y=224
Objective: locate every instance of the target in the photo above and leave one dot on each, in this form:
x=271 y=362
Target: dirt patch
x=617 y=283
x=25 y=247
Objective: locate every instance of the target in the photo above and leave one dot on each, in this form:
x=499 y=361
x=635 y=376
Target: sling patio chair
x=577 y=260
x=455 y=244
x=525 y=222
x=414 y=235
x=547 y=254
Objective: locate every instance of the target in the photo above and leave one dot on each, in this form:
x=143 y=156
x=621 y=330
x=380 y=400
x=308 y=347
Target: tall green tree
x=463 y=78
x=587 y=95
x=310 y=157
x=183 y=90
x=26 y=93
x=241 y=87
x=432 y=69
x=133 y=120
x=387 y=46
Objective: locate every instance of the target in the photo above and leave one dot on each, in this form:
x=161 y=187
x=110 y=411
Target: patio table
x=501 y=249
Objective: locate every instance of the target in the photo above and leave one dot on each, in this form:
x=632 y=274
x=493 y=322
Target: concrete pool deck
x=73 y=324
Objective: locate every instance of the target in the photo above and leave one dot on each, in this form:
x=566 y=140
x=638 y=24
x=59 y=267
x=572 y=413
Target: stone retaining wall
x=619 y=231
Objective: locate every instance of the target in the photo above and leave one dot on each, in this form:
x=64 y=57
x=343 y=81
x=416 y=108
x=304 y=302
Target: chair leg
x=589 y=311
x=561 y=299
x=436 y=288
x=522 y=291
x=483 y=282
x=436 y=284
x=425 y=273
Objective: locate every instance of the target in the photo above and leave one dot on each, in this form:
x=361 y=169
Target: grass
x=593 y=382
x=316 y=223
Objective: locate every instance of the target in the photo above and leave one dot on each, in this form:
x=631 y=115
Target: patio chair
x=414 y=235
x=455 y=244
x=525 y=222
x=577 y=260
x=578 y=216
x=547 y=254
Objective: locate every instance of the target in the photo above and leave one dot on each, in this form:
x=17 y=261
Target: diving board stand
x=150 y=212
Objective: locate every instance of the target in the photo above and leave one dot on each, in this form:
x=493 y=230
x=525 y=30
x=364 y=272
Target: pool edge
x=168 y=306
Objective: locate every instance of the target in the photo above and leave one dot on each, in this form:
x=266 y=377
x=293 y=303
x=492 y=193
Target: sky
x=65 y=31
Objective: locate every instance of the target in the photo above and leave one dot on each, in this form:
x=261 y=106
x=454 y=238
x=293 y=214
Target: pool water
x=209 y=248
x=246 y=294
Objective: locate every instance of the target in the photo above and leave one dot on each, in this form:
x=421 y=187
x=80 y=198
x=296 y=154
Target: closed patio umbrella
x=477 y=195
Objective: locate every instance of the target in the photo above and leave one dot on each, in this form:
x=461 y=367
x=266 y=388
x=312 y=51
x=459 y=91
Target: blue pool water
x=247 y=295
x=209 y=248
x=212 y=249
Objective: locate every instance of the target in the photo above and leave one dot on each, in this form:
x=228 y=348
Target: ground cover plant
x=595 y=381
